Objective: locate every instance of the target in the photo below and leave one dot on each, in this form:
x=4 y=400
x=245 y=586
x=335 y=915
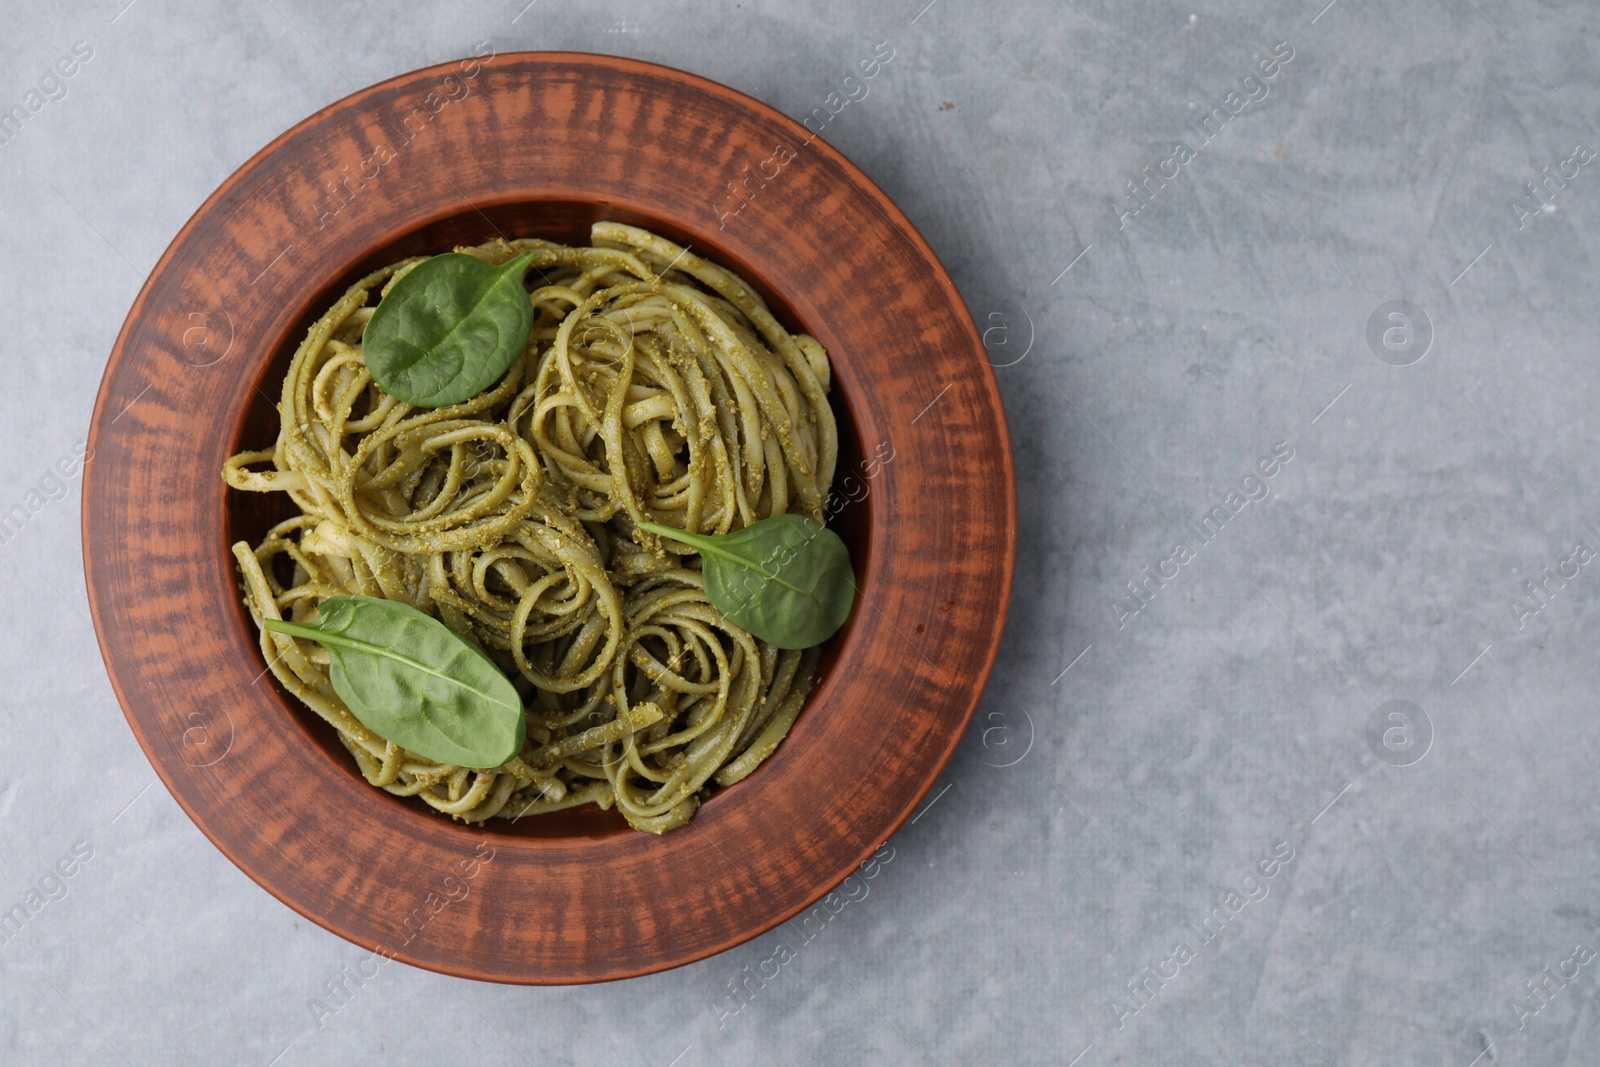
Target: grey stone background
x=1127 y=770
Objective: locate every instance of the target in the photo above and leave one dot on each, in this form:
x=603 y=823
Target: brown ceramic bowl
x=543 y=144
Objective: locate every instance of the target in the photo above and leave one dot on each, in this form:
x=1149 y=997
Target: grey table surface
x=1189 y=825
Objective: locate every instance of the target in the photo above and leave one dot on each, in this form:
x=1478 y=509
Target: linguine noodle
x=655 y=386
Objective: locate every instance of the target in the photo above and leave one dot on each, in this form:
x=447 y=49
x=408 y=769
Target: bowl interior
x=247 y=516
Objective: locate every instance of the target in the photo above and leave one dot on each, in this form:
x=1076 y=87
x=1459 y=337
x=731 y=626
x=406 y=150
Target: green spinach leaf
x=449 y=329
x=413 y=681
x=786 y=579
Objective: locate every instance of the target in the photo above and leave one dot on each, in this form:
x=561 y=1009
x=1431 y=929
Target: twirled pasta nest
x=656 y=386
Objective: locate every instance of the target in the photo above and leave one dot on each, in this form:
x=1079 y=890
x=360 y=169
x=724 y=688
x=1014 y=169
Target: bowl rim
x=1004 y=553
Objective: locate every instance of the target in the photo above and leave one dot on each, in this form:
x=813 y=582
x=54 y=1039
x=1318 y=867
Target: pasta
x=655 y=386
